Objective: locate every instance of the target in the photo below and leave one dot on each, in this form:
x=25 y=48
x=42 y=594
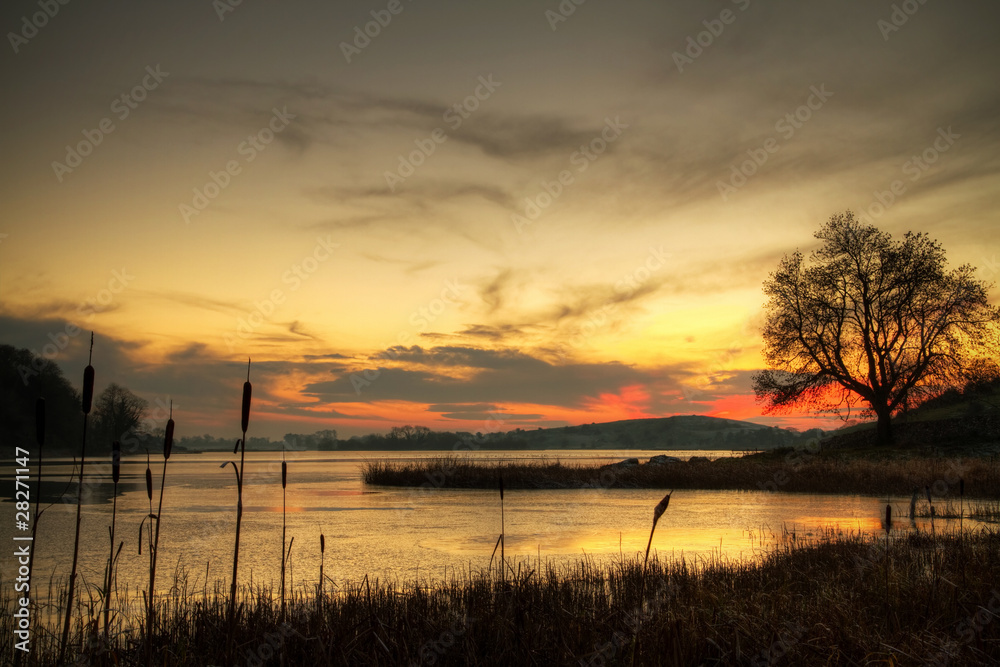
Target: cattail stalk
x=116 y=461
x=168 y=443
x=242 y=445
x=322 y=555
x=503 y=529
x=284 y=480
x=658 y=511
x=87 y=402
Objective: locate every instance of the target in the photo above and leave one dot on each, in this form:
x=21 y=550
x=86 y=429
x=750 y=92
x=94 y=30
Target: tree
x=409 y=433
x=24 y=378
x=871 y=323
x=117 y=411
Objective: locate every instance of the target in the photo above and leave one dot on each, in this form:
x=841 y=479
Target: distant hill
x=665 y=433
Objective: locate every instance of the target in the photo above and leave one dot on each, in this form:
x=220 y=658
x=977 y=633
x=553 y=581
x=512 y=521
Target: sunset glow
x=484 y=218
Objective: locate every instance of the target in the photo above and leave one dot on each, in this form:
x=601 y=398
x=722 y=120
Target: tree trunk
x=884 y=427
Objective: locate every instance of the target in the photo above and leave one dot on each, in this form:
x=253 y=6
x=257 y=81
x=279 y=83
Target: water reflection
x=402 y=534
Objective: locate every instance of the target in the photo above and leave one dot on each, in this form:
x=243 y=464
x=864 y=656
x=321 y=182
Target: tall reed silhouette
x=284 y=556
x=658 y=511
x=87 y=402
x=168 y=443
x=501 y=539
x=322 y=555
x=241 y=445
x=109 y=575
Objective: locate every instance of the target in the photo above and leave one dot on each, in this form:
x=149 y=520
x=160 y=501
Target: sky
x=465 y=215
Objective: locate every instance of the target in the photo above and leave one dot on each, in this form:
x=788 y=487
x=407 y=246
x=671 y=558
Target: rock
x=626 y=463
x=698 y=459
x=663 y=459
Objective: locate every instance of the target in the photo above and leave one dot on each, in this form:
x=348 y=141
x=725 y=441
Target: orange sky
x=481 y=219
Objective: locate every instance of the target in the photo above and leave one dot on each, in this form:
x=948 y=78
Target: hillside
x=678 y=432
x=955 y=423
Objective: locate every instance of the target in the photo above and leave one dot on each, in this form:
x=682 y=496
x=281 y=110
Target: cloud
x=463 y=374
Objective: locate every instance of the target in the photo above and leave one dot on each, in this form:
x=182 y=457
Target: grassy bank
x=845 y=600
x=797 y=471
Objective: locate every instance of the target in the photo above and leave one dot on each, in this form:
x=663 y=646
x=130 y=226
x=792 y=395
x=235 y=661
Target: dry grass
x=844 y=600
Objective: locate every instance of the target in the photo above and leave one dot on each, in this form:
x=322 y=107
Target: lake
x=400 y=534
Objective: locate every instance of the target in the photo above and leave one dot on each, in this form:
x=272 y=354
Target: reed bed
x=795 y=473
x=844 y=599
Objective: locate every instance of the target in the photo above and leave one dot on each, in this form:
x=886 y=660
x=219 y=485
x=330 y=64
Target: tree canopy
x=871 y=323
x=23 y=379
x=117 y=411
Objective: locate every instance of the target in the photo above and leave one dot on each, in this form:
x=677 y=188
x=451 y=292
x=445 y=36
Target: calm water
x=399 y=534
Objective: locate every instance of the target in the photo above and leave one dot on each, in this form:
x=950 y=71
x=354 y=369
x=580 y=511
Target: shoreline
x=797 y=471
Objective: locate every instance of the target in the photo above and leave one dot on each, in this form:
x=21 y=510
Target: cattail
x=242 y=446
x=88 y=399
x=284 y=557
x=168 y=440
x=247 y=390
x=927 y=492
x=88 y=388
x=40 y=421
x=660 y=508
x=658 y=511
x=116 y=461
x=503 y=530
x=236 y=447
x=888 y=518
x=322 y=556
x=116 y=464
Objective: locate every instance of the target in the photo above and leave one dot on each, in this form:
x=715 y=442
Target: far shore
x=797 y=471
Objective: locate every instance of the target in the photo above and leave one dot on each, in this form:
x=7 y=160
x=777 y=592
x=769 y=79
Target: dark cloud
x=498 y=376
